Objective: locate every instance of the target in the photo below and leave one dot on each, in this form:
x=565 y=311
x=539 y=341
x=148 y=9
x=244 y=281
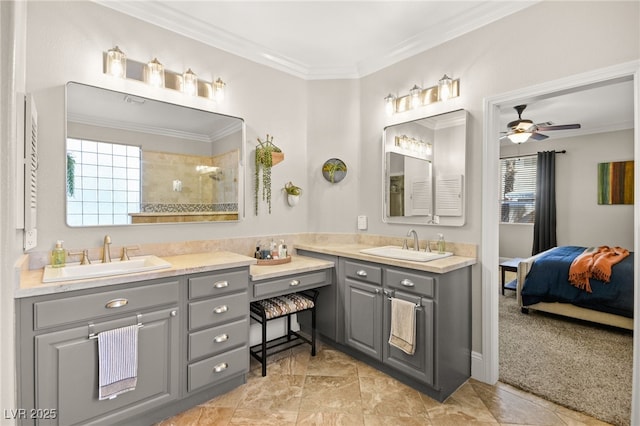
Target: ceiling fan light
x=519 y=137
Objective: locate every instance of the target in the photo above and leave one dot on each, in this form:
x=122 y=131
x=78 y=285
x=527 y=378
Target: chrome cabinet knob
x=220 y=309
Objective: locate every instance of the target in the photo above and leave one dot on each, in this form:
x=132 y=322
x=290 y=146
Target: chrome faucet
x=106 y=251
x=416 y=244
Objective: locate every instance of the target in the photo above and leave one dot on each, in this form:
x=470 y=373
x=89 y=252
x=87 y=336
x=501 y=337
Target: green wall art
x=615 y=182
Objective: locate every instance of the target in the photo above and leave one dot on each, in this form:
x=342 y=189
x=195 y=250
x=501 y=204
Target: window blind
x=518 y=189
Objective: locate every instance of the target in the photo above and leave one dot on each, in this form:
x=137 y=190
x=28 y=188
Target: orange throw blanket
x=595 y=264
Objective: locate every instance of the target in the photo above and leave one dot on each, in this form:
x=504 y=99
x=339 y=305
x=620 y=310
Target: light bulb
x=190 y=83
x=116 y=63
x=154 y=73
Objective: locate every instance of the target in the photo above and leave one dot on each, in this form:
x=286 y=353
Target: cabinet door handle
x=294 y=283
x=221 y=338
x=220 y=309
x=377 y=291
x=220 y=367
x=221 y=284
x=407 y=283
x=361 y=273
x=116 y=303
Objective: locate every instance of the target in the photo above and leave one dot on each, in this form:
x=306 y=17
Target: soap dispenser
x=58 y=255
x=441 y=244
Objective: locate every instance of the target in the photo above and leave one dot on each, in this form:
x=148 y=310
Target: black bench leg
x=264 y=347
x=313 y=331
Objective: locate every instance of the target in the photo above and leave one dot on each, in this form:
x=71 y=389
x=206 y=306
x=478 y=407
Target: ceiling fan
x=522 y=130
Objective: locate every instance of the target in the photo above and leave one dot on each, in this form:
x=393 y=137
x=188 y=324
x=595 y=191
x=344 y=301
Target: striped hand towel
x=118 y=361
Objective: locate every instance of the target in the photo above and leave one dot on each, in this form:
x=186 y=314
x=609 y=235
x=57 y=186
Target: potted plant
x=293 y=193
x=334 y=170
x=267 y=155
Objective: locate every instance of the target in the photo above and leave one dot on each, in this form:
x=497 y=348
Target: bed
x=543 y=285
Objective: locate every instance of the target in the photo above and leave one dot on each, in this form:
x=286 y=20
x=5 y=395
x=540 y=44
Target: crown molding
x=159 y=14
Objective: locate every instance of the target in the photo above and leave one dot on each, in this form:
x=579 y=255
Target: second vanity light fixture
x=154 y=74
x=445 y=89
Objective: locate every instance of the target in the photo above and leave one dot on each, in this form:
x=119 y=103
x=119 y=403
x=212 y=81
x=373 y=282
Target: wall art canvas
x=615 y=182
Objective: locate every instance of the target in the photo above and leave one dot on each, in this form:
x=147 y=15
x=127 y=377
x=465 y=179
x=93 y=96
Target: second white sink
x=75 y=271
x=395 y=252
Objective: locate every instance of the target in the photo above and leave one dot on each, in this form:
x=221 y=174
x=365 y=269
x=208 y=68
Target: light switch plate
x=362 y=223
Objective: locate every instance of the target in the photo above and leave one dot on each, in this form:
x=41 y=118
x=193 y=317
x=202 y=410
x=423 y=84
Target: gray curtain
x=544 y=228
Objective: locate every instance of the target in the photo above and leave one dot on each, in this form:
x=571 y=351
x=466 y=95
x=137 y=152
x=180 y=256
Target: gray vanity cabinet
x=56 y=333
x=218 y=320
x=442 y=358
x=363 y=303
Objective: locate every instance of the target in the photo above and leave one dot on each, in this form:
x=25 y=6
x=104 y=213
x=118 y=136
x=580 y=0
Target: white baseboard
x=478 y=368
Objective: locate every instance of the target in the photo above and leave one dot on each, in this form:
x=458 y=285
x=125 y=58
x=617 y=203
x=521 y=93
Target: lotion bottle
x=58 y=255
x=441 y=243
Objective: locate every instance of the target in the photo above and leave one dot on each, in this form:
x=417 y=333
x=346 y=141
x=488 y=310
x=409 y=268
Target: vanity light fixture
x=444 y=88
x=190 y=83
x=218 y=90
x=154 y=73
x=116 y=63
x=390 y=104
x=415 y=93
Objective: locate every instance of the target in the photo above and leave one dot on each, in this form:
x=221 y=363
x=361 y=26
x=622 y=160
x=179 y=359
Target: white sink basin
x=75 y=271
x=395 y=252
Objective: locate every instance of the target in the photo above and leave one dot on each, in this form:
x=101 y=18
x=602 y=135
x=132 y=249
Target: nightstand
x=510 y=265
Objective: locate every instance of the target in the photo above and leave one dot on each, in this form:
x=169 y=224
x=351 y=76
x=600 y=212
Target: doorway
x=489 y=367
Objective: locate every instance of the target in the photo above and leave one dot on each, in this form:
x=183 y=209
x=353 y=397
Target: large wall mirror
x=424 y=170
x=133 y=160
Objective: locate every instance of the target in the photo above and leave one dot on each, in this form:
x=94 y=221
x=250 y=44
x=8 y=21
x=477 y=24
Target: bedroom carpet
x=585 y=367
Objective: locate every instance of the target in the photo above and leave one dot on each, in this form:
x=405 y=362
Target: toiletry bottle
x=282 y=250
x=257 y=254
x=58 y=255
x=440 y=243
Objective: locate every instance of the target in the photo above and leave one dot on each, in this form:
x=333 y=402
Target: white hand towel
x=118 y=361
x=403 y=325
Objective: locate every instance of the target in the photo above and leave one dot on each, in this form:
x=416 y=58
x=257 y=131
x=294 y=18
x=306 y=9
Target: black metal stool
x=266 y=310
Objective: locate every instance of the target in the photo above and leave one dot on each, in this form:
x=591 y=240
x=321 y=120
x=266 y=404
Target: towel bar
x=94 y=335
x=416 y=306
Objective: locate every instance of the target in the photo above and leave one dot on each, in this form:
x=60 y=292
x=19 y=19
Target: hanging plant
x=71 y=175
x=293 y=193
x=267 y=155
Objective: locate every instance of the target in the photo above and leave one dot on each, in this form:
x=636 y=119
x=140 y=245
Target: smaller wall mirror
x=424 y=170
x=133 y=160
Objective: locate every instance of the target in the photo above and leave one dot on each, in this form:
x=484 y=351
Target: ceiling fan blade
x=538 y=136
x=559 y=127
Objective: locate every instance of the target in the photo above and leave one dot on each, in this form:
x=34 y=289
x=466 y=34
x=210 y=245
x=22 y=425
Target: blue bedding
x=548 y=281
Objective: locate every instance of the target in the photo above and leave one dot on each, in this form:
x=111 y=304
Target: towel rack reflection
x=94 y=335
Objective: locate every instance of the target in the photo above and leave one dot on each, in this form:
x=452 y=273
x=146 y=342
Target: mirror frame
x=241 y=181
x=443 y=120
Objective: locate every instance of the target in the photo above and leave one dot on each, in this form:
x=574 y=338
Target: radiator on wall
x=27 y=178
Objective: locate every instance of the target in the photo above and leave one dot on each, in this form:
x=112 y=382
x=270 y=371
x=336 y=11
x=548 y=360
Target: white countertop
x=438 y=266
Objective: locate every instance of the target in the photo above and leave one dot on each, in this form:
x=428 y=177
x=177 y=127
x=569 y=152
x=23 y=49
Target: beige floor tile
x=334 y=389
x=306 y=418
x=331 y=394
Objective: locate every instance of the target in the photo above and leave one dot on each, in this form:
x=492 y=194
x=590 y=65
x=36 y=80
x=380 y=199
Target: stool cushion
x=283 y=305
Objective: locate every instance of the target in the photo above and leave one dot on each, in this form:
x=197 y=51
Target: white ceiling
x=350 y=39
x=321 y=39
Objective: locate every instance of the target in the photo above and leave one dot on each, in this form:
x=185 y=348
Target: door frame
x=489 y=365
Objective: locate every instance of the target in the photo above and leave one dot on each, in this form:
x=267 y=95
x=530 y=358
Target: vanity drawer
x=292 y=283
x=363 y=272
x=91 y=306
x=217 y=339
x=216 y=284
x=410 y=282
x=218 y=310
x=218 y=368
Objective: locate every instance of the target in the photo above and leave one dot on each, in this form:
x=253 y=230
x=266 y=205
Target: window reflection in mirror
x=136 y=160
x=424 y=168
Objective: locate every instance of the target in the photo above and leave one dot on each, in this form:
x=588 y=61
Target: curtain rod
x=564 y=151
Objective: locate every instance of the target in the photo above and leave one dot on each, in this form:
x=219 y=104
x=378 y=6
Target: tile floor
x=334 y=389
